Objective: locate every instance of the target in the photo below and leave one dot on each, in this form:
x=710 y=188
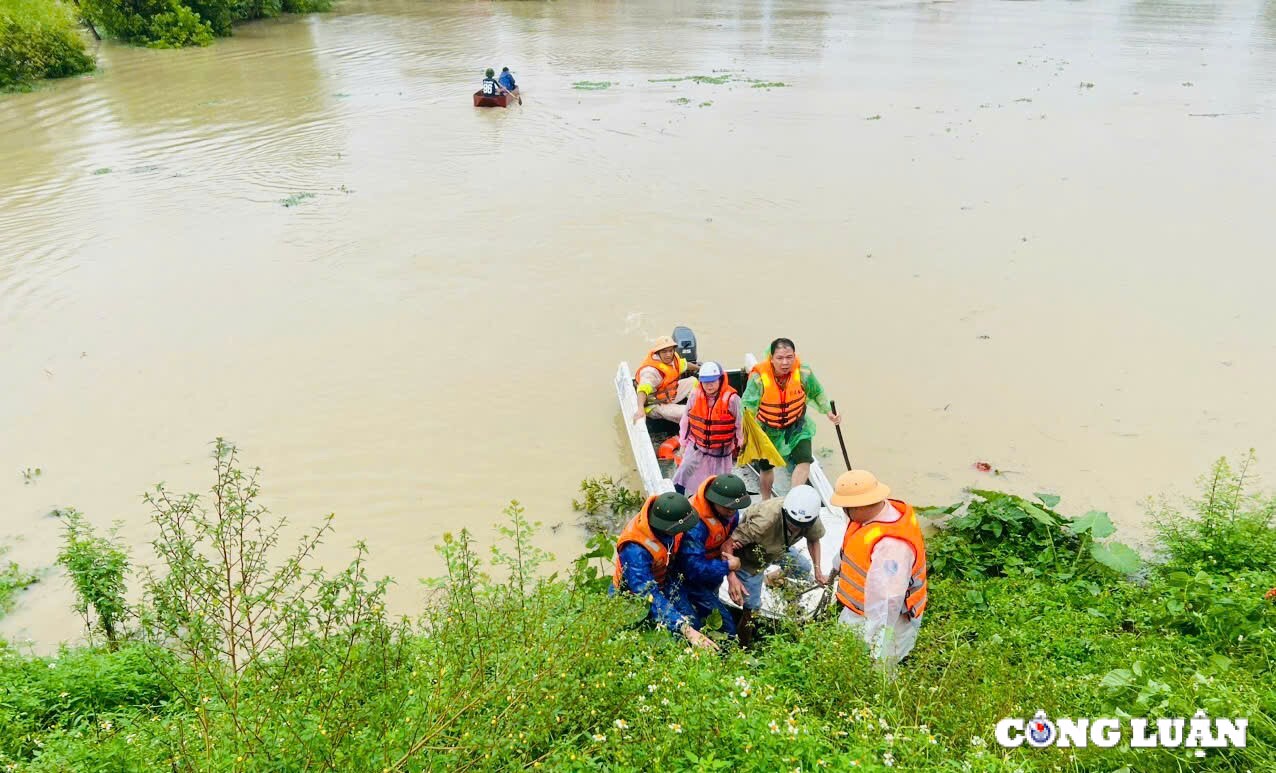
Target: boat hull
x=486 y=100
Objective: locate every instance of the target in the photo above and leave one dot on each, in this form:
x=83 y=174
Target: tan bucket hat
x=858 y=488
x=663 y=342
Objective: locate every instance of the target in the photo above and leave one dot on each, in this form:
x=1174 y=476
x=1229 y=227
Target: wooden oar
x=841 y=441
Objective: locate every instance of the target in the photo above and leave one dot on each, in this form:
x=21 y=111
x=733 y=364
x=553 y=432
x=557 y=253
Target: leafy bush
x=97 y=566
x=306 y=6
x=1001 y=535
x=77 y=688
x=1230 y=529
x=176 y=23
x=156 y=23
x=39 y=39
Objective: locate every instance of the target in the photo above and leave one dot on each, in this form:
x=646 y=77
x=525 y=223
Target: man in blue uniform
x=645 y=554
x=699 y=566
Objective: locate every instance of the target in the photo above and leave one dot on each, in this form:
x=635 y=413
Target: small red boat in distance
x=486 y=100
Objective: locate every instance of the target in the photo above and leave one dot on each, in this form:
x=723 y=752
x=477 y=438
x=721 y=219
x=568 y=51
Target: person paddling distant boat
x=506 y=80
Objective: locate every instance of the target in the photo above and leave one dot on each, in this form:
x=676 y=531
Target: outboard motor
x=686 y=341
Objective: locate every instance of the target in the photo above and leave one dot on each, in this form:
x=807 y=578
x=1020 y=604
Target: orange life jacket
x=670 y=451
x=639 y=530
x=856 y=557
x=667 y=391
x=781 y=408
x=712 y=428
x=718 y=531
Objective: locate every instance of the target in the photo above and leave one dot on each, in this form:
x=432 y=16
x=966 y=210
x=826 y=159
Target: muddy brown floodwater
x=984 y=256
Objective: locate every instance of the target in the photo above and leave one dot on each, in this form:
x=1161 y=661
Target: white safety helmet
x=802 y=504
x=710 y=371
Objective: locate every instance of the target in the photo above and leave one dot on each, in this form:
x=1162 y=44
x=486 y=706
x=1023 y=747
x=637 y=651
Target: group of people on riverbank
x=678 y=550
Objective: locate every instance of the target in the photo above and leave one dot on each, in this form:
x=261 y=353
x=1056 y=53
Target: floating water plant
x=296 y=199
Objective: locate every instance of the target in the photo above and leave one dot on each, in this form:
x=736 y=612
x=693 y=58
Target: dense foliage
x=177 y=23
x=39 y=39
x=236 y=663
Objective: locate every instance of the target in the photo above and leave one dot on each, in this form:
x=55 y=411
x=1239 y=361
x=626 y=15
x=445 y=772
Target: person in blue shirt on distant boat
x=507 y=81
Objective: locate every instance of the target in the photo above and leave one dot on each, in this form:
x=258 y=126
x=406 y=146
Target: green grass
x=592 y=85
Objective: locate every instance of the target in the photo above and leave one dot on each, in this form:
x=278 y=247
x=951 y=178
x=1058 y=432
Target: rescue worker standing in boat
x=645 y=550
x=662 y=391
x=700 y=566
x=778 y=393
x=712 y=430
x=881 y=578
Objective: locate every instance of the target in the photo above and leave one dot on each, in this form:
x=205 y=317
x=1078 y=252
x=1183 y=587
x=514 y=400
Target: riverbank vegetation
x=242 y=656
x=43 y=38
x=178 y=23
x=39 y=39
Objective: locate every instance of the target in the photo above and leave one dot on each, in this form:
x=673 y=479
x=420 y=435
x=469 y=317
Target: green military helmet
x=671 y=514
x=728 y=491
x=490 y=72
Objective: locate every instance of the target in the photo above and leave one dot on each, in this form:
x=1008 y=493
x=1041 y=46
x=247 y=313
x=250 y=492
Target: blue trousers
x=698 y=602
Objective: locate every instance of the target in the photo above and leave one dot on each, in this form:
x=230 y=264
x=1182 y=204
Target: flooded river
x=1036 y=234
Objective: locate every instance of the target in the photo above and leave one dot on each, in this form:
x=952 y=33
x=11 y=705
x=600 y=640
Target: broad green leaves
x=1049 y=500
x=1096 y=523
x=1116 y=556
x=1001 y=534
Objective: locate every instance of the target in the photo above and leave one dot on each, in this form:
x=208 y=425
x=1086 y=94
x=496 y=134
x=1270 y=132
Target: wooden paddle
x=841 y=441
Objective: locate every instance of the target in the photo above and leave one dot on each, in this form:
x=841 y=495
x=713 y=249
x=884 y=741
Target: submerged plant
x=714 y=80
x=12 y=580
x=607 y=503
